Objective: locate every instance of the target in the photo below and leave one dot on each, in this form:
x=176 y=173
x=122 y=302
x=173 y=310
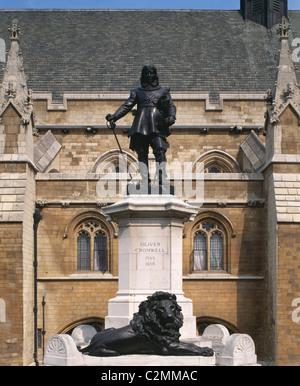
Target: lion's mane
x=146 y=323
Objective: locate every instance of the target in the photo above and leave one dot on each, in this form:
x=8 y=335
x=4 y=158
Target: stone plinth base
x=150 y=255
x=148 y=360
x=238 y=351
x=230 y=350
x=62 y=351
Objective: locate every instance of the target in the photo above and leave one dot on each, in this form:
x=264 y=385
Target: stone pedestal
x=61 y=351
x=230 y=350
x=238 y=351
x=150 y=255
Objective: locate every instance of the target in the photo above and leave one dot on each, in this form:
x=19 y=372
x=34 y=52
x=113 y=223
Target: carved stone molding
x=41 y=203
x=256 y=203
x=286 y=90
x=56 y=346
x=13 y=90
x=112 y=228
x=239 y=350
x=61 y=351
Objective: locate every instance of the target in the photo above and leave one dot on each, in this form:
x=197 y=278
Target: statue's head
x=149 y=76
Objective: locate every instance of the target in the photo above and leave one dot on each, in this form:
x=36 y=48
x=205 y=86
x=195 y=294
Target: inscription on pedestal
x=150 y=253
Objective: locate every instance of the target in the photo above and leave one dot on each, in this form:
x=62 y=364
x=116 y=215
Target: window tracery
x=92 y=247
x=217 y=161
x=208 y=246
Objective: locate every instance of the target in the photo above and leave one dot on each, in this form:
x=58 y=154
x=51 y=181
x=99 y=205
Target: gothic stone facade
x=237 y=113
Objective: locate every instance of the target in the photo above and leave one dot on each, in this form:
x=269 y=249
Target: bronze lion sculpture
x=154 y=330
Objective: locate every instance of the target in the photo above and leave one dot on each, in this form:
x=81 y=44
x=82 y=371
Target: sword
x=111 y=125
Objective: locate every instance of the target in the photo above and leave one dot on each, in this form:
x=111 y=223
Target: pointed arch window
x=92 y=247
x=209 y=247
x=100 y=251
x=217 y=161
x=200 y=251
x=83 y=251
x=113 y=161
x=216 y=251
x=213 y=169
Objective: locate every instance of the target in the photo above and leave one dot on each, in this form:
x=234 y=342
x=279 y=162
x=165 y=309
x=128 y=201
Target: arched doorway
x=205 y=321
x=96 y=322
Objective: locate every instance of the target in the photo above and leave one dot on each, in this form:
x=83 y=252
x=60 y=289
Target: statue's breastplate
x=148 y=98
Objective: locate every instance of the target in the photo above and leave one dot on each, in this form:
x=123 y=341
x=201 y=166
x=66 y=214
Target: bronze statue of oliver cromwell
x=151 y=126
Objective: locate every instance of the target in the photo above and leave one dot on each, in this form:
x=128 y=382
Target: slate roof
x=104 y=50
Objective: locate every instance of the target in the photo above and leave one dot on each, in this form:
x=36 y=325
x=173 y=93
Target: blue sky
x=126 y=4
